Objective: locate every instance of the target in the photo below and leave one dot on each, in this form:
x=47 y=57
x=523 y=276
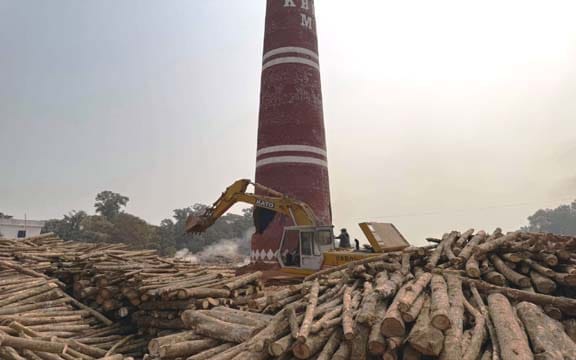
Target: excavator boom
x=298 y=211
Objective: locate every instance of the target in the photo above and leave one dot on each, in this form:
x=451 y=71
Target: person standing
x=344 y=238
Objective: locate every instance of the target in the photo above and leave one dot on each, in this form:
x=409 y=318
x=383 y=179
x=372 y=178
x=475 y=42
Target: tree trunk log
x=331 y=346
x=347 y=315
x=314 y=344
x=439 y=303
x=412 y=314
x=511 y=338
x=542 y=283
x=547 y=335
x=214 y=328
x=563 y=303
x=472 y=350
x=393 y=324
x=309 y=315
x=452 y=347
x=424 y=337
x=413 y=291
x=512 y=276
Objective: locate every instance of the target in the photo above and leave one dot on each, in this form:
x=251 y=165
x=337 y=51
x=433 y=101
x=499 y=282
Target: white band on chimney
x=290 y=60
x=291 y=50
x=291 y=159
x=299 y=148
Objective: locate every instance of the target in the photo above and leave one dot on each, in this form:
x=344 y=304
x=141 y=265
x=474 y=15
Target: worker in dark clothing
x=344 y=239
x=357 y=244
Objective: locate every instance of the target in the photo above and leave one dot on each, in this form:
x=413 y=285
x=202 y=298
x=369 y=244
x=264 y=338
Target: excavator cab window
x=303 y=246
x=290 y=248
x=324 y=237
x=309 y=244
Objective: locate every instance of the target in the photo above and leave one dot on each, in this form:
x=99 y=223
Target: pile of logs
x=130 y=287
x=118 y=282
x=468 y=296
x=38 y=320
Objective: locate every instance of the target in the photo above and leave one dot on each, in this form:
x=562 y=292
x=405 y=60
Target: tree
x=69 y=228
x=109 y=204
x=134 y=232
x=230 y=226
x=5 y=216
x=561 y=220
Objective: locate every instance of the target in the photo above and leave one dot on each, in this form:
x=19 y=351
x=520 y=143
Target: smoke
x=234 y=252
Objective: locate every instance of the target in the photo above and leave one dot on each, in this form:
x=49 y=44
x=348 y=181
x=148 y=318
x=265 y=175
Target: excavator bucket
x=196 y=224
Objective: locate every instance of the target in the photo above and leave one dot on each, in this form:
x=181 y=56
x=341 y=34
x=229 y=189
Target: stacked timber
x=38 y=320
x=163 y=299
x=122 y=283
x=469 y=296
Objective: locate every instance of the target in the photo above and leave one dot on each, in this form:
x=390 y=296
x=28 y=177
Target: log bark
x=472 y=351
x=214 y=328
x=186 y=348
x=436 y=254
x=439 y=303
x=313 y=344
x=413 y=291
x=495 y=351
x=512 y=276
x=546 y=335
x=393 y=324
x=448 y=246
x=331 y=346
x=367 y=313
x=387 y=288
x=309 y=315
x=359 y=344
x=280 y=346
x=343 y=352
x=347 y=315
x=424 y=337
x=412 y=314
x=570 y=328
x=452 y=347
x=377 y=341
x=493 y=244
x=540 y=268
x=563 y=303
x=293 y=321
x=473 y=268
x=209 y=354
x=468 y=249
x=542 y=283
x=410 y=353
x=511 y=338
x=243 y=280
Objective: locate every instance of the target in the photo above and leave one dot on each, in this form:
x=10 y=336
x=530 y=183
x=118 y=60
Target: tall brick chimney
x=291 y=155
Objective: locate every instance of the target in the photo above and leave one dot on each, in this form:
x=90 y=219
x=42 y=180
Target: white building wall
x=9 y=228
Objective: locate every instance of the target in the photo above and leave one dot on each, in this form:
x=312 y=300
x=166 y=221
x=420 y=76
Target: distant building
x=17 y=228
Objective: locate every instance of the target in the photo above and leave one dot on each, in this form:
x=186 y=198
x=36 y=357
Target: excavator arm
x=298 y=211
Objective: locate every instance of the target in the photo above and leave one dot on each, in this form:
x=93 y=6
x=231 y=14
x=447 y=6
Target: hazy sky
x=440 y=114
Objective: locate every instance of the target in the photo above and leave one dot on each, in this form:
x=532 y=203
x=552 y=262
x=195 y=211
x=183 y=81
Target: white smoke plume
x=232 y=252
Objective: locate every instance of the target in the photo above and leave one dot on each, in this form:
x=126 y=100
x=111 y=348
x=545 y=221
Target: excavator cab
x=302 y=247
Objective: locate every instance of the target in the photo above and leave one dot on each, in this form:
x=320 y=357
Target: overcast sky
x=440 y=114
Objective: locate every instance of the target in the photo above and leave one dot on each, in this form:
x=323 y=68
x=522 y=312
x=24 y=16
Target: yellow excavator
x=307 y=246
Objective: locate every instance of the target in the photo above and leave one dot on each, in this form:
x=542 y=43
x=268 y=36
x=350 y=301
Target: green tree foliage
x=109 y=204
x=5 y=216
x=230 y=226
x=135 y=232
x=114 y=226
x=69 y=227
x=561 y=220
